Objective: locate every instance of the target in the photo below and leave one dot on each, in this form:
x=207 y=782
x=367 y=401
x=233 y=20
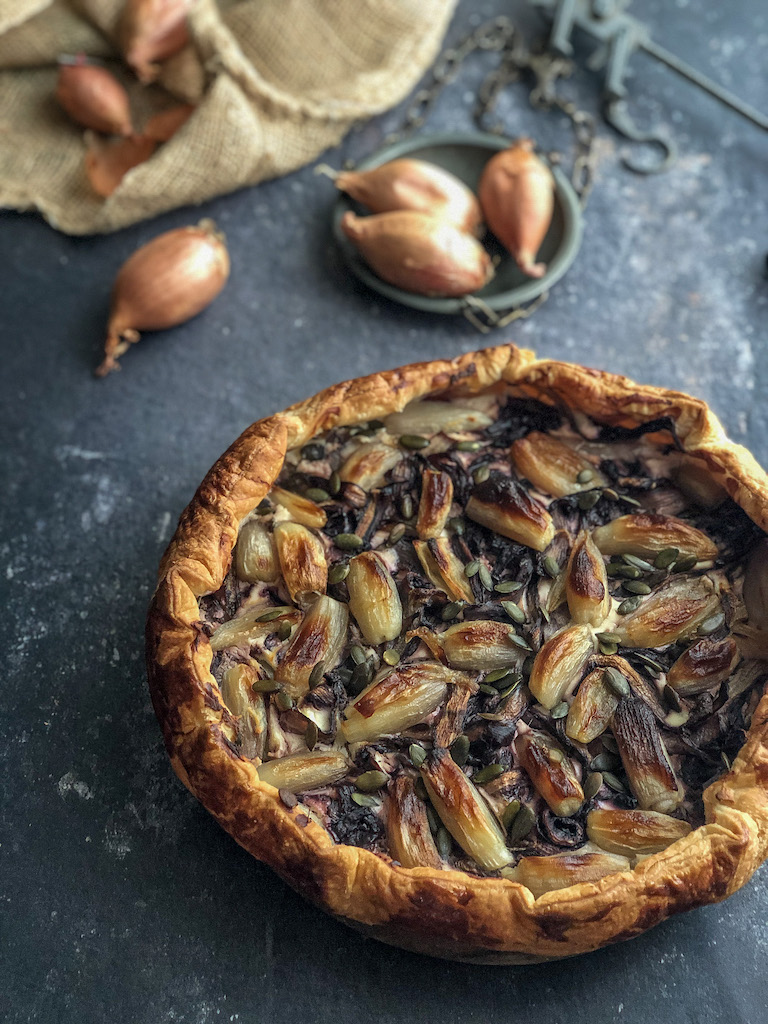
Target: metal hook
x=616 y=114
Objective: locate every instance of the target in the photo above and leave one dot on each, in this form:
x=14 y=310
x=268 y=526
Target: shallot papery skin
x=164 y=283
x=419 y=253
x=517 y=197
x=151 y=31
x=94 y=98
x=414 y=185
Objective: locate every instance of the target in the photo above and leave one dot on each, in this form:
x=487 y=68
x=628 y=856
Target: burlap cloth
x=275 y=82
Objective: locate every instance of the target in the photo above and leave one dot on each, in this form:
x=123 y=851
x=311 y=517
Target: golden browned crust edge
x=446 y=913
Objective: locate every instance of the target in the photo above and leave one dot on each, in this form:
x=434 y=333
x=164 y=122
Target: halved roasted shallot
x=644 y=756
x=673 y=611
x=646 y=534
x=483 y=645
x=586 y=582
x=545 y=874
x=551 y=772
x=237 y=693
x=301 y=510
x=373 y=598
x=560 y=663
x=320 y=638
x=634 y=832
x=408 y=832
x=553 y=466
x=434 y=504
x=397 y=699
x=302 y=562
x=502 y=505
x=703 y=666
x=444 y=568
x=591 y=709
x=308 y=770
x=368 y=465
x=464 y=812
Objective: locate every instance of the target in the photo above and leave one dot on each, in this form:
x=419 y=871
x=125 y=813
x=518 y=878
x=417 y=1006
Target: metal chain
x=500 y=36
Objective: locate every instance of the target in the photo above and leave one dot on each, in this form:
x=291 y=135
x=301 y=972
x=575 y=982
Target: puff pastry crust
x=443 y=912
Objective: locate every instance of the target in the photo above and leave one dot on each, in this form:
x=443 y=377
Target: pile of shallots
x=149 y=31
x=423 y=230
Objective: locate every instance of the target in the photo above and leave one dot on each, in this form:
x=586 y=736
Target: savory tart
x=472 y=653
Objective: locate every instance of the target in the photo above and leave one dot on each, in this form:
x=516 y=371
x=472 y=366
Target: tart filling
x=480 y=635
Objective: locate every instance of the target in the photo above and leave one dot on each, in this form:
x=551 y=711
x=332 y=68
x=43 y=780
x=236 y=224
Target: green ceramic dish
x=465 y=155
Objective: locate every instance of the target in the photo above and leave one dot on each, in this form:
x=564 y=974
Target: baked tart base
x=486 y=900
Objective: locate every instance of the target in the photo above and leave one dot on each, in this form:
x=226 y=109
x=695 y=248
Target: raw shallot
x=164 y=283
x=517 y=196
x=93 y=97
x=150 y=31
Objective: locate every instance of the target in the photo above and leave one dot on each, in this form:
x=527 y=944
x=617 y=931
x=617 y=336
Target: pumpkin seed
x=317 y=494
x=361 y=676
x=556 y=755
x=357 y=654
x=614 y=783
x=726 y=760
x=631 y=604
x=421 y=792
x=665 y=558
x=585 y=476
x=515 y=612
x=365 y=800
x=587 y=500
x=712 y=624
x=507 y=587
x=406 y=506
x=432 y=818
x=685 y=563
x=608 y=649
x=639 y=563
x=334 y=483
x=265 y=686
x=626 y=572
x=510 y=689
x=272 y=614
x=310 y=736
x=414 y=441
x=604 y=763
x=457 y=525
x=489 y=691
x=519 y=642
x=631 y=501
x=471 y=569
x=509 y=813
x=459 y=749
x=390 y=656
x=522 y=823
x=284 y=630
x=283 y=701
x=468 y=446
x=484 y=575
x=369 y=782
x=498 y=675
x=264 y=507
x=488 y=774
x=451 y=610
x=652 y=666
x=609 y=493
x=338 y=572
x=373 y=425
x=608 y=638
x=617 y=682
x=481 y=474
x=613 y=569
x=560 y=710
x=348 y=541
x=417 y=754
x=592 y=785
x=396 y=533
x=550 y=566
x=316 y=675
x=636 y=587
x=443 y=842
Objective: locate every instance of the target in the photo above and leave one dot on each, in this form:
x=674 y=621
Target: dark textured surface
x=121 y=899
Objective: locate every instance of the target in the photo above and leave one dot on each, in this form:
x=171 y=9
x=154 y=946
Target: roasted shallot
x=164 y=283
